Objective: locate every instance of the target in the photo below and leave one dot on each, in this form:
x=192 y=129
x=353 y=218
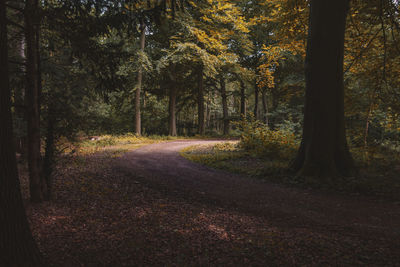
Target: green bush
x=257 y=138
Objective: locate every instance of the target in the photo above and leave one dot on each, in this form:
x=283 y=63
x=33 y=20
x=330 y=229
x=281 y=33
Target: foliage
x=90 y=59
x=261 y=140
x=290 y=18
x=213 y=156
x=125 y=139
x=271 y=56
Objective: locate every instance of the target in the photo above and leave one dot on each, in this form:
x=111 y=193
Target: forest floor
x=152 y=207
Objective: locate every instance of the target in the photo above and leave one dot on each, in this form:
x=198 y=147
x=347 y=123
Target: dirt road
x=373 y=225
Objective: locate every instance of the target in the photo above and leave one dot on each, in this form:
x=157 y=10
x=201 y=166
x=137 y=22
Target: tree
x=324 y=151
x=139 y=79
x=200 y=101
x=224 y=105
x=208 y=32
x=16 y=242
x=172 y=110
x=33 y=89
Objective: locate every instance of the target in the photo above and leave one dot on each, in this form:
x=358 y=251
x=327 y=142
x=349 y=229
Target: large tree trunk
x=200 y=102
x=224 y=106
x=242 y=99
x=172 y=111
x=16 y=242
x=324 y=152
x=138 y=125
x=256 y=93
x=32 y=101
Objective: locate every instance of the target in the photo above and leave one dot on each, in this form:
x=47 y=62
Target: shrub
x=257 y=138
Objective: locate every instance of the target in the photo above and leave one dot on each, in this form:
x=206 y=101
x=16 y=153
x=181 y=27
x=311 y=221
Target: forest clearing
x=199 y=133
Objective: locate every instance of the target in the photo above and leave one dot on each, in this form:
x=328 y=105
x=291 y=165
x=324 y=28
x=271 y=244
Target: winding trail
x=160 y=166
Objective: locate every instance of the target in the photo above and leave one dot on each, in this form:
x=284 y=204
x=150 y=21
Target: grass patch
x=116 y=145
x=378 y=175
x=211 y=155
x=231 y=157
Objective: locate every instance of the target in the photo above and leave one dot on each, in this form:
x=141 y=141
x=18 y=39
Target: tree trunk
x=242 y=99
x=265 y=107
x=323 y=151
x=172 y=111
x=200 y=102
x=38 y=62
x=256 y=91
x=274 y=96
x=138 y=125
x=208 y=116
x=224 y=106
x=32 y=101
x=19 y=101
x=49 y=156
x=16 y=242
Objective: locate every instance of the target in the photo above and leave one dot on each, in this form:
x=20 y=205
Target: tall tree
x=172 y=110
x=211 y=30
x=33 y=86
x=224 y=100
x=242 y=98
x=323 y=151
x=16 y=242
x=256 y=94
x=142 y=40
x=265 y=107
x=173 y=90
x=200 y=101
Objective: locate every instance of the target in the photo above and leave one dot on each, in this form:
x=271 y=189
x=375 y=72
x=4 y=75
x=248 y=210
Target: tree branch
x=362 y=51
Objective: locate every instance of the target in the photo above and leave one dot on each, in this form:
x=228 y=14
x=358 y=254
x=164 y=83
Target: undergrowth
x=112 y=144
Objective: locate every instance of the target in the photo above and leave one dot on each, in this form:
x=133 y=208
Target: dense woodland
x=321 y=76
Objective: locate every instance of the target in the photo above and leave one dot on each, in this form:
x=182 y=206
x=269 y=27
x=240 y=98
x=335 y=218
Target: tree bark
x=49 y=156
x=256 y=93
x=172 y=111
x=19 y=97
x=274 y=96
x=17 y=245
x=200 y=102
x=242 y=99
x=38 y=60
x=323 y=151
x=265 y=107
x=138 y=124
x=225 y=114
x=32 y=101
x=208 y=115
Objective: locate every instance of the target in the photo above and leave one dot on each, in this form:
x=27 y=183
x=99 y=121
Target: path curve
x=160 y=166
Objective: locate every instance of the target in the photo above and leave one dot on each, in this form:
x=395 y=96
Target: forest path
x=160 y=166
